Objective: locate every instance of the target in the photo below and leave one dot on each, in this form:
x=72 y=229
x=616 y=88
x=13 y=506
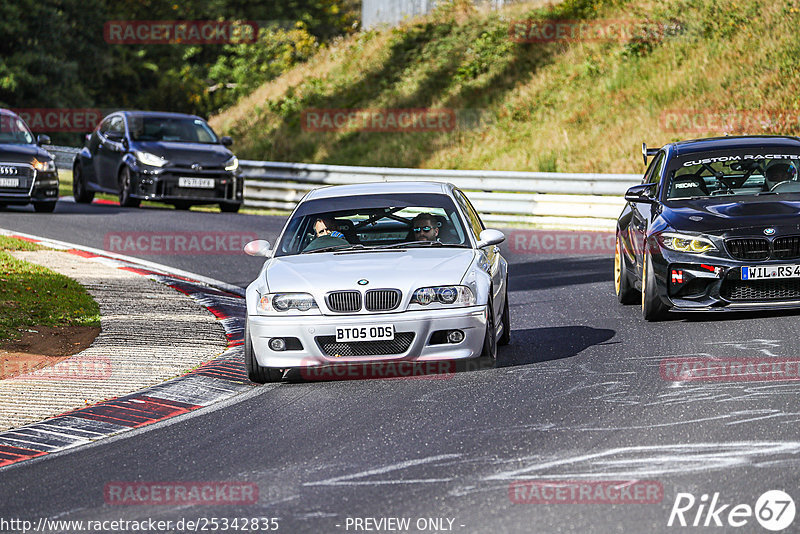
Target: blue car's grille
x=748 y=249
x=786 y=248
x=761 y=290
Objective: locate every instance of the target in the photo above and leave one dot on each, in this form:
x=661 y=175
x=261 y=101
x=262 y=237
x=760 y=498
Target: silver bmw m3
x=378 y=273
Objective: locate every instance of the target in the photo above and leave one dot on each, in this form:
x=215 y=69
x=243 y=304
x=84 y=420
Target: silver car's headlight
x=686 y=243
x=453 y=296
x=232 y=164
x=149 y=159
x=287 y=304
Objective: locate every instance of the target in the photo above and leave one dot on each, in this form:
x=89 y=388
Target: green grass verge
x=31 y=295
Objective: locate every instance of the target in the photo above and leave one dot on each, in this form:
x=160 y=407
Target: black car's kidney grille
x=344 y=301
x=748 y=249
x=401 y=342
x=761 y=290
x=786 y=248
x=382 y=299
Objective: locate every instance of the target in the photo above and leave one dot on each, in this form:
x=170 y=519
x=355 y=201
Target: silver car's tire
x=489 y=353
x=505 y=337
x=256 y=373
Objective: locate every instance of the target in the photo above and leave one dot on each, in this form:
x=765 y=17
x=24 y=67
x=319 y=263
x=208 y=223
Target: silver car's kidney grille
x=382 y=299
x=398 y=345
x=344 y=301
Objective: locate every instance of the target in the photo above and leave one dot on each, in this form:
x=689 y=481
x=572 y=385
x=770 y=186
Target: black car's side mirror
x=43 y=139
x=641 y=193
x=226 y=141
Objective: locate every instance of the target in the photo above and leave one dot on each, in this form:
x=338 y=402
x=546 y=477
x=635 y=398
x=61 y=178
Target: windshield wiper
x=337 y=248
x=421 y=243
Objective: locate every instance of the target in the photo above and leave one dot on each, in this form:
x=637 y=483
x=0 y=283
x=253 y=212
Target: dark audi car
x=715 y=225
x=28 y=173
x=166 y=157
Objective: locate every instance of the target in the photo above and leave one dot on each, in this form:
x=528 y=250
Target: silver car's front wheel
x=256 y=373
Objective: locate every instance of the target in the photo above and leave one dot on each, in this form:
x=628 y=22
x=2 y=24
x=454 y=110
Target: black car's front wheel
x=653 y=308
x=125 y=186
x=44 y=207
x=626 y=293
x=229 y=207
x=79 y=191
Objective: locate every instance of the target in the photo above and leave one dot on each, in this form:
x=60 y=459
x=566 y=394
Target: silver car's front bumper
x=471 y=321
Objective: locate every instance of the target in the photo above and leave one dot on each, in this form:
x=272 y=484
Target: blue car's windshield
x=173 y=129
x=14 y=131
x=735 y=173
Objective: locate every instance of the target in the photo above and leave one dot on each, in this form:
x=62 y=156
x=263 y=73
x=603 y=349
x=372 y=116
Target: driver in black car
x=778 y=172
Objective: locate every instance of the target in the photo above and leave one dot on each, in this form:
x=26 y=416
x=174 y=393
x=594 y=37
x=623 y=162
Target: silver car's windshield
x=373 y=222
x=734 y=174
x=13 y=130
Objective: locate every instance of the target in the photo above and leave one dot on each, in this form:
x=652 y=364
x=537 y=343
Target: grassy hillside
x=584 y=105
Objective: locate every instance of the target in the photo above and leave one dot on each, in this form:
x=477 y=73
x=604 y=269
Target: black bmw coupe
x=715 y=225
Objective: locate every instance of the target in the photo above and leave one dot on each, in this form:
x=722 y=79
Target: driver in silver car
x=425 y=227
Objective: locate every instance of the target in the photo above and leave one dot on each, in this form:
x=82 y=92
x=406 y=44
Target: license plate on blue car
x=763 y=272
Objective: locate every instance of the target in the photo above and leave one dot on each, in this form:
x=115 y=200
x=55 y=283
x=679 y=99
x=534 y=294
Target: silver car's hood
x=401 y=269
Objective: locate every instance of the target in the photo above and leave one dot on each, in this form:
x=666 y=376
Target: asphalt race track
x=577 y=396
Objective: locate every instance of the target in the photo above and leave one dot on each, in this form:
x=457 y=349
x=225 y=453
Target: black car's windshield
x=14 y=131
x=174 y=129
x=733 y=174
x=373 y=222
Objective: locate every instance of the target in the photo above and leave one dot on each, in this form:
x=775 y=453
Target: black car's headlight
x=43 y=165
x=692 y=244
x=232 y=164
x=287 y=304
x=454 y=296
x=149 y=159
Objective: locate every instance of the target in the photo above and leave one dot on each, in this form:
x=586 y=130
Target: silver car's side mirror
x=490 y=237
x=259 y=247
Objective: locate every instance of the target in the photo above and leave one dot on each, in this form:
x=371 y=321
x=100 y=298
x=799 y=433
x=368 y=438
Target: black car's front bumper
x=33 y=187
x=700 y=282
x=162 y=185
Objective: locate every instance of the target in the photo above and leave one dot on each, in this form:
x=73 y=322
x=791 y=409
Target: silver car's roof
x=377 y=188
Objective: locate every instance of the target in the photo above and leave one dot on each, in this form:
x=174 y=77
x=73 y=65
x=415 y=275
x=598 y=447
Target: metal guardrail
x=574 y=200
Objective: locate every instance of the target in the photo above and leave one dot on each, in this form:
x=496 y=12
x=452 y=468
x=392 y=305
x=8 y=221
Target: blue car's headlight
x=454 y=296
x=287 y=304
x=149 y=159
x=692 y=244
x=232 y=164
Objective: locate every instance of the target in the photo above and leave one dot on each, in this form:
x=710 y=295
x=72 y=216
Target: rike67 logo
x=774 y=510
